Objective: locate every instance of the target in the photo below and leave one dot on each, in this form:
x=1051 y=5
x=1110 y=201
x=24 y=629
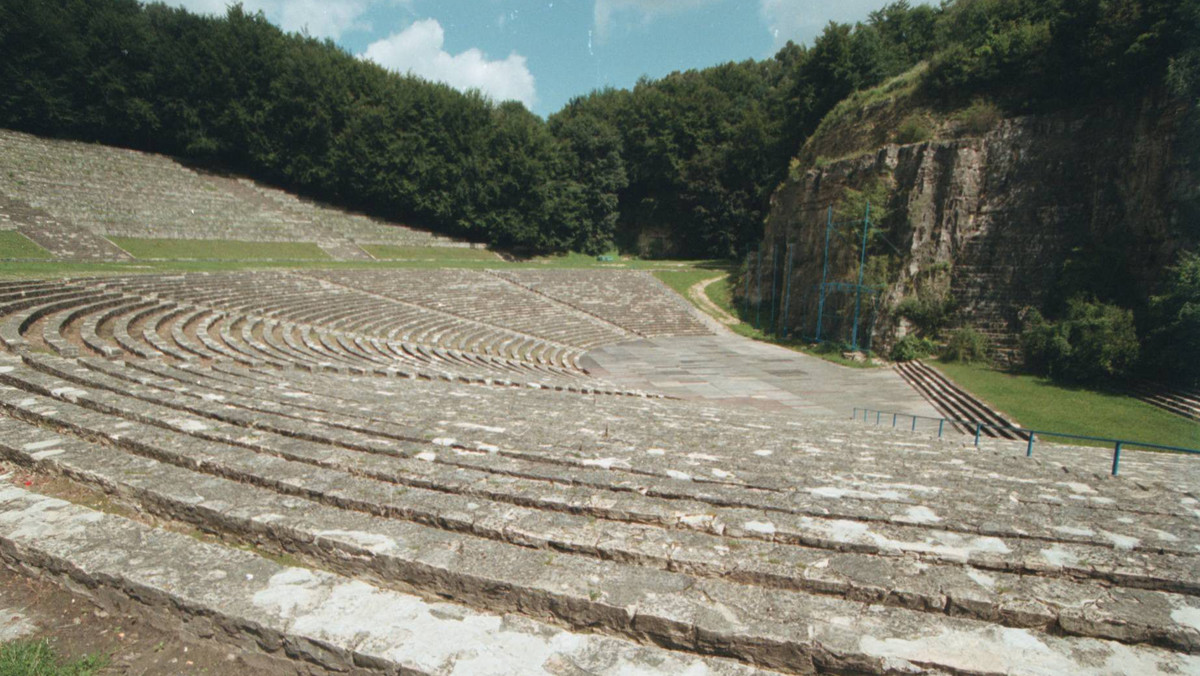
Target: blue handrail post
x=787 y=290
x=758 y=297
x=914 y=427
x=878 y=415
x=1116 y=458
x=941 y=426
x=824 y=272
x=894 y=416
x=978 y=426
x=858 y=289
x=1029 y=448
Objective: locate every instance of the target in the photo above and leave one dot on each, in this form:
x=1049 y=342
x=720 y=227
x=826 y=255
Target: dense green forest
x=682 y=165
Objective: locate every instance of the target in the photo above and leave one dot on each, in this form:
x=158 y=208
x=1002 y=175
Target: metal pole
x=746 y=282
x=774 y=276
x=941 y=426
x=758 y=297
x=977 y=428
x=914 y=427
x=787 y=288
x=1116 y=458
x=894 y=415
x=862 y=261
x=1029 y=448
x=824 y=271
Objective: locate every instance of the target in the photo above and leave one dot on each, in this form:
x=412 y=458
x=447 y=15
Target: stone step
x=311 y=616
x=345 y=251
x=337 y=538
x=61 y=238
x=835 y=532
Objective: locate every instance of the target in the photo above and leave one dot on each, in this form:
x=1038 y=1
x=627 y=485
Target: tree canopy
x=684 y=164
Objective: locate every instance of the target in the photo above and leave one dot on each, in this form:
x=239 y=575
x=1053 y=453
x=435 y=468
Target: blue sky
x=543 y=52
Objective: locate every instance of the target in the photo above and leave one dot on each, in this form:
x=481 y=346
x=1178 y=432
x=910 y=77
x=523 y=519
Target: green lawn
x=190 y=263
x=682 y=280
x=720 y=294
x=1039 y=403
x=388 y=252
x=219 y=249
x=38 y=658
x=579 y=260
x=15 y=245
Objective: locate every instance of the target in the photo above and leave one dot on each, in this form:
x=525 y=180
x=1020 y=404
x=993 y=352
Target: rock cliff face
x=994 y=219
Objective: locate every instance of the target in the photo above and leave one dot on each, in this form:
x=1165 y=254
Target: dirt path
x=700 y=297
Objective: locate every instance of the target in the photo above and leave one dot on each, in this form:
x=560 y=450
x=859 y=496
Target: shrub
x=914 y=129
x=911 y=347
x=1096 y=342
x=979 y=118
x=1173 y=344
x=928 y=313
x=967 y=346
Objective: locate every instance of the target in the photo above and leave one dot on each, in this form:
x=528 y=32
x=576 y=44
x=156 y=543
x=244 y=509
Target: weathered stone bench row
x=328 y=621
x=184 y=332
x=115 y=192
x=396 y=458
x=623 y=598
x=757 y=451
x=481 y=297
x=307 y=303
x=633 y=300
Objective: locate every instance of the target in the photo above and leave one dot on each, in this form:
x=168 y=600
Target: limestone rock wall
x=993 y=218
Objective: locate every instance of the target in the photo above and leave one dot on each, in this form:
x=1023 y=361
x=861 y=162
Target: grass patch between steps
x=390 y=252
x=1039 y=403
x=682 y=280
x=720 y=294
x=55 y=268
x=219 y=249
x=39 y=658
x=15 y=245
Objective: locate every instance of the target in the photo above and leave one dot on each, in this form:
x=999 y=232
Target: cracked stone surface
x=465 y=497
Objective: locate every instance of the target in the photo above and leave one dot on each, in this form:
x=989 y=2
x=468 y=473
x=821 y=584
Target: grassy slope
x=15 y=245
x=388 y=252
x=38 y=658
x=189 y=264
x=719 y=293
x=218 y=249
x=1039 y=403
x=682 y=280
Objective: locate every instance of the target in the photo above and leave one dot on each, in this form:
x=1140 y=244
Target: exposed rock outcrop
x=994 y=218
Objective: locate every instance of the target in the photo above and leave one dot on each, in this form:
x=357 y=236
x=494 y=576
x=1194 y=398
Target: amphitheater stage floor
x=737 y=370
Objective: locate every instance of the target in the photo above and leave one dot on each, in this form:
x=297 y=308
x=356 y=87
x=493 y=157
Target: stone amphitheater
x=69 y=197
x=426 y=472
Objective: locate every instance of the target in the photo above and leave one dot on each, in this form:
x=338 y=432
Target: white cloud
x=606 y=11
x=803 y=20
x=321 y=18
x=419 y=49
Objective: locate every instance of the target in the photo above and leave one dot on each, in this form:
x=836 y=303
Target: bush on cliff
x=1173 y=345
x=1093 y=344
x=911 y=347
x=966 y=345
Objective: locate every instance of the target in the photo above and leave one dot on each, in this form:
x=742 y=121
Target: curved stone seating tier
x=675 y=535
x=481 y=297
x=113 y=191
x=297 y=299
x=632 y=300
x=786 y=544
x=123 y=318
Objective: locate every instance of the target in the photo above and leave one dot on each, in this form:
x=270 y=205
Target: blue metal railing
x=1030 y=434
